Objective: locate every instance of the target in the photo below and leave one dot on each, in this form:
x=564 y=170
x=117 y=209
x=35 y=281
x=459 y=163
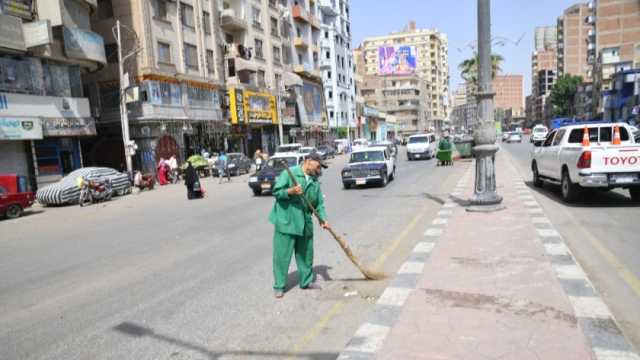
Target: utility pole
x=280 y=112
x=124 y=117
x=485 y=132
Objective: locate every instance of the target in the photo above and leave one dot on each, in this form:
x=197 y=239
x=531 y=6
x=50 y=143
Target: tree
x=563 y=94
x=469 y=68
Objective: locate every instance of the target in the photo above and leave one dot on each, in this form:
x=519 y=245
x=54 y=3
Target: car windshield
x=418 y=139
x=539 y=130
x=367 y=156
x=276 y=163
x=234 y=157
x=288 y=148
x=306 y=149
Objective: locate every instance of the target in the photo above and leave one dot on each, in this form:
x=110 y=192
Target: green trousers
x=283 y=247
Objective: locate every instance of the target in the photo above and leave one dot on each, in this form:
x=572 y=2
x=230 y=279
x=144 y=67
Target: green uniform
x=293 y=222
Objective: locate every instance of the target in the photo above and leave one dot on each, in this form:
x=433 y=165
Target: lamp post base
x=485 y=185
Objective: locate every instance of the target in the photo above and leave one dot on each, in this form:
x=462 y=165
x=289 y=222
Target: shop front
x=254 y=121
x=16 y=136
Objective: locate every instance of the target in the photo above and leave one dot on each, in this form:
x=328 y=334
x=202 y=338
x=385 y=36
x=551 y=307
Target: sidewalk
x=499 y=285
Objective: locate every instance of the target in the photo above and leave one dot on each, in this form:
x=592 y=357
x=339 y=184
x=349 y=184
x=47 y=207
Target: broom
x=368 y=274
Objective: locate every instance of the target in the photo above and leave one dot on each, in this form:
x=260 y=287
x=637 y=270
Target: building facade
x=545 y=37
x=573 y=38
x=543 y=75
x=422 y=52
x=509 y=93
x=337 y=64
x=46 y=48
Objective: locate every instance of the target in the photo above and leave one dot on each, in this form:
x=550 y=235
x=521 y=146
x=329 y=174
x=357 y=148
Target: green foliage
x=341 y=132
x=563 y=94
x=469 y=68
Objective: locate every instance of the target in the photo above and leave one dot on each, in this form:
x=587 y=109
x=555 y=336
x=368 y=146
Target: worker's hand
x=296 y=190
x=325 y=225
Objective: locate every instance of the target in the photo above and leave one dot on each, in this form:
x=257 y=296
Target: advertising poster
x=15 y=128
x=312 y=99
x=397 y=60
x=260 y=107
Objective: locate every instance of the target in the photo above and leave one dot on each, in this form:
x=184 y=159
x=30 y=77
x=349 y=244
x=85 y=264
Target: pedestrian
x=258 y=158
x=293 y=222
x=191 y=181
x=223 y=164
x=162 y=172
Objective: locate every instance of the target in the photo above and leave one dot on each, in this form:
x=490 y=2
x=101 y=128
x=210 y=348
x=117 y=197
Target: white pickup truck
x=563 y=159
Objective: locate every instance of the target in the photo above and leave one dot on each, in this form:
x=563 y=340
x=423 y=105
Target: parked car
x=288 y=148
x=538 y=133
x=562 y=158
x=372 y=165
x=237 y=164
x=360 y=143
x=14 y=195
x=393 y=148
x=514 y=137
x=326 y=151
x=66 y=191
x=505 y=135
x=264 y=179
x=421 y=146
x=341 y=145
x=306 y=150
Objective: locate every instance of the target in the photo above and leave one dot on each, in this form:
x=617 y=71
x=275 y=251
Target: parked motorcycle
x=144 y=181
x=92 y=191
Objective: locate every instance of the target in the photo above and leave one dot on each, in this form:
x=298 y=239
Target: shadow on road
x=591 y=198
x=138 y=331
x=320 y=270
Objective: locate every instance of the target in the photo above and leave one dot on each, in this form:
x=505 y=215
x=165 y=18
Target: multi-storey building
x=337 y=64
x=545 y=37
x=573 y=36
x=542 y=78
x=614 y=43
x=413 y=51
x=45 y=50
x=509 y=93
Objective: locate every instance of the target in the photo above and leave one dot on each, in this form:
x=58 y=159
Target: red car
x=14 y=195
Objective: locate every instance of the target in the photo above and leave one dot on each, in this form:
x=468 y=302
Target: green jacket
x=444 y=144
x=290 y=214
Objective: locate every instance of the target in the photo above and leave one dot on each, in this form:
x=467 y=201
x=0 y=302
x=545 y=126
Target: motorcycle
x=92 y=191
x=144 y=181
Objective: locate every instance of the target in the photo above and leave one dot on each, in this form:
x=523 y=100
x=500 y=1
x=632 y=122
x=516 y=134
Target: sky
x=514 y=20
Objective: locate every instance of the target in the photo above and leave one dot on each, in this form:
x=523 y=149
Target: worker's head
x=313 y=165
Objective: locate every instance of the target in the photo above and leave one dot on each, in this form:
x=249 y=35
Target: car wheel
x=570 y=191
x=13 y=211
x=346 y=185
x=257 y=192
x=393 y=174
x=537 y=181
x=385 y=180
x=635 y=194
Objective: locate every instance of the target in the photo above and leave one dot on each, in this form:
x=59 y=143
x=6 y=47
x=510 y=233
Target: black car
x=326 y=151
x=265 y=178
x=372 y=165
x=237 y=163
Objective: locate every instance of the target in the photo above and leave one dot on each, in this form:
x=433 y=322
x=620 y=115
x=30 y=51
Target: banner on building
x=11 y=36
x=69 y=127
x=236 y=106
x=313 y=103
x=15 y=128
x=397 y=60
x=19 y=8
x=84 y=45
x=289 y=111
x=45 y=106
x=260 y=107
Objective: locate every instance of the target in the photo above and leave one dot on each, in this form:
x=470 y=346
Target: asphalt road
x=603 y=231
x=154 y=276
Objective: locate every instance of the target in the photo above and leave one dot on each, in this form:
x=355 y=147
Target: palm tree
x=469 y=68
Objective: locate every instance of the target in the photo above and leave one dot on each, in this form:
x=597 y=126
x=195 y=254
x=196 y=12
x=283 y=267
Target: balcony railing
x=230 y=21
x=300 y=43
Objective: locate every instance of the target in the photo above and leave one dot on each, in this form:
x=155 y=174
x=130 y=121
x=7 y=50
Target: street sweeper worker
x=293 y=222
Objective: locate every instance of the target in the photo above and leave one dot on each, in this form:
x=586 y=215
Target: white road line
x=394 y=296
x=530 y=203
x=433 y=232
x=556 y=249
x=540 y=220
x=570 y=272
x=411 y=267
x=445 y=212
x=439 y=221
x=590 y=307
x=547 y=232
x=423 y=247
x=370 y=336
x=535 y=210
x=449 y=205
x=607 y=354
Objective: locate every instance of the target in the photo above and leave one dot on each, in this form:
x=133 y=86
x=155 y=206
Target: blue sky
x=511 y=19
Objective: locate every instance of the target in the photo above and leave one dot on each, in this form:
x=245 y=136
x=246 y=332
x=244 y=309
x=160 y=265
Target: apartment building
x=337 y=64
x=543 y=75
x=573 y=37
x=46 y=48
x=421 y=52
x=545 y=37
x=509 y=93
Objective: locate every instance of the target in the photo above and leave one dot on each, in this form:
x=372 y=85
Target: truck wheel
x=570 y=191
x=537 y=181
x=14 y=211
x=635 y=194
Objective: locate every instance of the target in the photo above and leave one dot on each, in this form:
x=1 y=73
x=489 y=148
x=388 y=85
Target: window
x=276 y=55
x=164 y=53
x=328 y=74
x=111 y=53
x=261 y=77
x=258 y=49
x=330 y=94
x=206 y=22
x=187 y=15
x=286 y=55
x=211 y=67
x=161 y=9
x=257 y=22
x=328 y=54
x=274 y=27
x=559 y=137
x=549 y=139
x=278 y=81
x=331 y=114
x=105 y=9
x=190 y=56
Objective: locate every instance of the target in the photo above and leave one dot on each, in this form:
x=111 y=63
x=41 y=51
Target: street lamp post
x=485 y=132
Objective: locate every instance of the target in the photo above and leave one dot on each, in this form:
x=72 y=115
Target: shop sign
x=260 y=107
x=11 y=30
x=236 y=107
x=69 y=127
x=369 y=111
x=19 y=8
x=84 y=45
x=289 y=111
x=44 y=106
x=37 y=33
x=15 y=128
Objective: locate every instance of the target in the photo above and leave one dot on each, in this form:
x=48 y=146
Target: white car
x=563 y=159
x=306 y=150
x=514 y=137
x=421 y=146
x=288 y=148
x=360 y=143
x=539 y=133
x=505 y=135
x=373 y=165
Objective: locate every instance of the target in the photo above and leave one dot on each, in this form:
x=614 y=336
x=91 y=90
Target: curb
x=370 y=336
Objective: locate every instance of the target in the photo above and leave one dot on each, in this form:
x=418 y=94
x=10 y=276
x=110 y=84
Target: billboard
x=312 y=97
x=397 y=60
x=260 y=107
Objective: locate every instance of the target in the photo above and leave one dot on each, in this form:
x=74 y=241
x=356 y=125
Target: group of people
x=167 y=170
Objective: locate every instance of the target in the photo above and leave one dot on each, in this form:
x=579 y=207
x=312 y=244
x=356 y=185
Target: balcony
x=328 y=7
x=300 y=43
x=590 y=19
x=230 y=21
x=306 y=70
x=325 y=64
x=300 y=14
x=591 y=33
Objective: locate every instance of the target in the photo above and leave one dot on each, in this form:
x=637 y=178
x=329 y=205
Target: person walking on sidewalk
x=223 y=167
x=191 y=181
x=293 y=222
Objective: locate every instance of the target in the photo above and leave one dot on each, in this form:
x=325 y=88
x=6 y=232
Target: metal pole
x=485 y=131
x=280 y=129
x=124 y=117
